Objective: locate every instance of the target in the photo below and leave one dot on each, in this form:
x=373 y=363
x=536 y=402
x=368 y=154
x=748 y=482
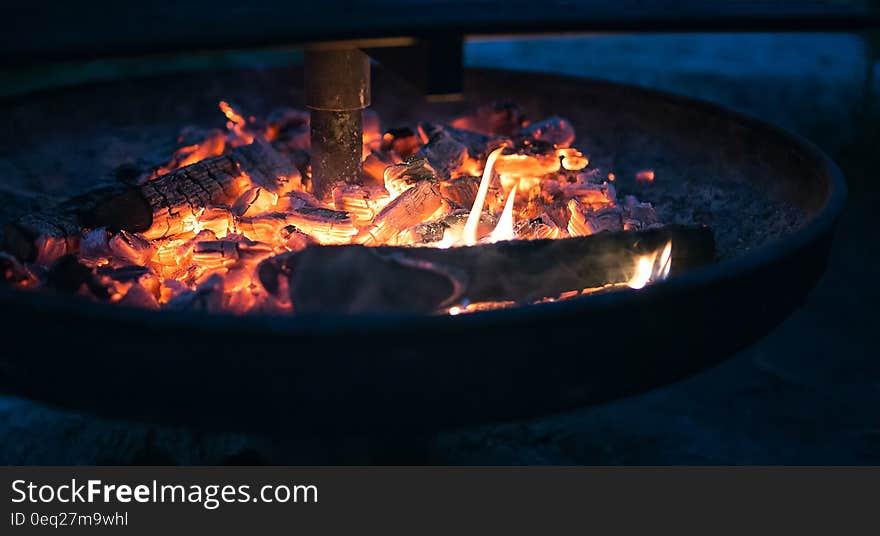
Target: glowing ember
x=645 y=175
x=229 y=199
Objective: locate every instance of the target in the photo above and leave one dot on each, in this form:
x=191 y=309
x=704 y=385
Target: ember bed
x=770 y=199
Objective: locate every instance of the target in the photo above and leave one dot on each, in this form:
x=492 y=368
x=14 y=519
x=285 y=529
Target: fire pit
x=736 y=214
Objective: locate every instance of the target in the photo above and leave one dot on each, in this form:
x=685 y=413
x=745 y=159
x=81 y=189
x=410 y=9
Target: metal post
x=337 y=88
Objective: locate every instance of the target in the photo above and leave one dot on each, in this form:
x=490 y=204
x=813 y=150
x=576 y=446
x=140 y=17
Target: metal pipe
x=337 y=88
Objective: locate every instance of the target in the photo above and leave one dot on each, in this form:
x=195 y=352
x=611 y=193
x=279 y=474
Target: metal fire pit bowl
x=333 y=374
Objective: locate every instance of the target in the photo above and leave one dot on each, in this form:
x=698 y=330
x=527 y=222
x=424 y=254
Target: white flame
x=447 y=241
x=644 y=265
x=504 y=229
x=470 y=227
x=665 y=262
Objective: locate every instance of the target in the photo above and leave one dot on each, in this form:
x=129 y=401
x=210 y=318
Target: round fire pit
x=771 y=199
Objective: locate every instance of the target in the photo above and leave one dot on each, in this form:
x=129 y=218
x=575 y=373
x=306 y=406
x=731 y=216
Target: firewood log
x=159 y=208
x=43 y=237
x=357 y=279
x=175 y=199
x=46 y=235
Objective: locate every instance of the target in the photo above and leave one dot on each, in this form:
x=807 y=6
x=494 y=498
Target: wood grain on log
x=177 y=198
x=168 y=204
x=162 y=207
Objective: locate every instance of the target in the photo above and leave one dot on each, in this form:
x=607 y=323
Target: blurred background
x=809 y=393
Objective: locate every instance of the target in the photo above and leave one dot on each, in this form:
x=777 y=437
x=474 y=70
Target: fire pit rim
x=324 y=324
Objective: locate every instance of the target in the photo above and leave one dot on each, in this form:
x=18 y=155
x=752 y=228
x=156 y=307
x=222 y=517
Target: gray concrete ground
x=809 y=393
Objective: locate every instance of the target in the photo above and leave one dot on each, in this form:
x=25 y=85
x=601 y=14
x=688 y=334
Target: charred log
x=43 y=237
x=443 y=152
x=46 y=235
x=167 y=205
x=356 y=279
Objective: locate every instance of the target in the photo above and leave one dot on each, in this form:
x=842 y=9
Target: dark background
x=809 y=393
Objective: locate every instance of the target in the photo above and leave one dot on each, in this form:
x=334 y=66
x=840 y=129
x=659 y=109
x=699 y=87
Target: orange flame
x=236 y=123
x=650 y=268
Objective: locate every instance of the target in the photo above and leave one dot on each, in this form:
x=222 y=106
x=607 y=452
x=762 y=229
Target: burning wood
x=400 y=177
x=355 y=279
x=267 y=168
x=443 y=152
x=362 y=203
x=170 y=204
x=540 y=227
x=586 y=221
x=435 y=231
x=327 y=226
x=131 y=248
x=478 y=145
x=174 y=201
x=254 y=201
x=44 y=237
x=403 y=141
x=193 y=235
x=461 y=191
x=412 y=207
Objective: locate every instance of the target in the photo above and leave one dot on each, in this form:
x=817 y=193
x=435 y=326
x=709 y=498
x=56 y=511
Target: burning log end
x=43 y=237
x=168 y=204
